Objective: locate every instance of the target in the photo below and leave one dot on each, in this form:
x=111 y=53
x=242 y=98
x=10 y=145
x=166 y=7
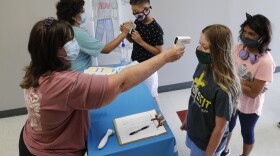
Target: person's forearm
x=138 y=73
x=247 y=90
x=150 y=48
x=128 y=37
x=214 y=142
x=132 y=76
x=113 y=44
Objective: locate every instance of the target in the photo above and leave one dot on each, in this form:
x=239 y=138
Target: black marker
x=134 y=132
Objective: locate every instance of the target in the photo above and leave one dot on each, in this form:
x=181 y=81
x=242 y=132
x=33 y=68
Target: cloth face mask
x=141 y=15
x=203 y=57
x=251 y=43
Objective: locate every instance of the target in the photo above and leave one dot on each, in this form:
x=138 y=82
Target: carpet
x=182 y=114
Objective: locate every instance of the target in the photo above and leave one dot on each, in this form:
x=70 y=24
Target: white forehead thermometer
x=105 y=138
x=182 y=40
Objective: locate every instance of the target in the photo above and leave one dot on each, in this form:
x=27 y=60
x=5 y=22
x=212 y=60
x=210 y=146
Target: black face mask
x=203 y=57
x=251 y=43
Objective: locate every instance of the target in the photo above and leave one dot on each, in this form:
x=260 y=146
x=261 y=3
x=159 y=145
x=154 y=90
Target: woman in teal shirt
x=73 y=12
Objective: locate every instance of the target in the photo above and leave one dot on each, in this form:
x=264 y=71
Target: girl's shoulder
x=238 y=47
x=267 y=57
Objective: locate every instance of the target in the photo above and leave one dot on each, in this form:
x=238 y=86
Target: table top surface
x=136 y=100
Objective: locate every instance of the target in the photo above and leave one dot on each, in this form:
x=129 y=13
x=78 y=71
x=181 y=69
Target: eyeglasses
x=48 y=23
x=134 y=13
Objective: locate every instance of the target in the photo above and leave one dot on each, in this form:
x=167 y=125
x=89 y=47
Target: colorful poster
x=103 y=21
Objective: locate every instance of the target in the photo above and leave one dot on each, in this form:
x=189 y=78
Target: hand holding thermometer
x=105 y=138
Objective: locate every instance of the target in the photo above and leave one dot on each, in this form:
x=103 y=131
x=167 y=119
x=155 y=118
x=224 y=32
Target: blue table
x=136 y=100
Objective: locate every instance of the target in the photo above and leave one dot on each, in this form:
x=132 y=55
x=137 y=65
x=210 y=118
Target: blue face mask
x=72 y=49
x=83 y=18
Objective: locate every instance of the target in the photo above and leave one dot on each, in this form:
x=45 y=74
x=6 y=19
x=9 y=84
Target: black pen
x=134 y=132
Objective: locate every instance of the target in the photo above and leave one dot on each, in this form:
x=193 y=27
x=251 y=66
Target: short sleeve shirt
x=207 y=101
x=58 y=116
x=152 y=34
x=262 y=70
x=89 y=46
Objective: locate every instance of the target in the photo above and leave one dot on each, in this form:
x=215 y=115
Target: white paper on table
x=107 y=70
x=125 y=125
x=101 y=70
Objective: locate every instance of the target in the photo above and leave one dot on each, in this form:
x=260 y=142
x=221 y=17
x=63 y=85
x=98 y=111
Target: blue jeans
x=196 y=151
x=104 y=26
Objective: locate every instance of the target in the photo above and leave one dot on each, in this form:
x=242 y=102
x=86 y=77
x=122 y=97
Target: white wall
x=177 y=17
x=17 y=19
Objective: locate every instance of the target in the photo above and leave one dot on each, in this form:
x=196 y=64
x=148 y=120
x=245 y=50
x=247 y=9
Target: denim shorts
x=196 y=151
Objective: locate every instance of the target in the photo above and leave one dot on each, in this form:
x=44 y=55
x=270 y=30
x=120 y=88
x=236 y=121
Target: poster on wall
x=103 y=23
x=106 y=19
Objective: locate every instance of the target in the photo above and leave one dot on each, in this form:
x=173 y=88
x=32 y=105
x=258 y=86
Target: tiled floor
x=267 y=133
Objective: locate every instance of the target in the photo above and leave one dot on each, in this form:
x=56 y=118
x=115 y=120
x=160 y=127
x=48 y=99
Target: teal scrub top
x=89 y=46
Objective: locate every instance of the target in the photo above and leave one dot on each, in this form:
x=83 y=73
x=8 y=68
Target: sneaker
x=225 y=153
x=278 y=124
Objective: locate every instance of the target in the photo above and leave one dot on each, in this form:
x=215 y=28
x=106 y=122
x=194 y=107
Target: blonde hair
x=223 y=64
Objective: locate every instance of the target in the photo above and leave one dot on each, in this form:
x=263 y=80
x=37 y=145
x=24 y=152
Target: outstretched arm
x=125 y=28
x=132 y=76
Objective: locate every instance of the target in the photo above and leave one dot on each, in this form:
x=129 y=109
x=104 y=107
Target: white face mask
x=72 y=50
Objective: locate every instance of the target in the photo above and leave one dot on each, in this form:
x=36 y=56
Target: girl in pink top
x=255 y=68
x=58 y=99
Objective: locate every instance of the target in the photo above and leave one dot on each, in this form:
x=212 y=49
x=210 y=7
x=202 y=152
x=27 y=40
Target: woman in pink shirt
x=255 y=68
x=58 y=99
